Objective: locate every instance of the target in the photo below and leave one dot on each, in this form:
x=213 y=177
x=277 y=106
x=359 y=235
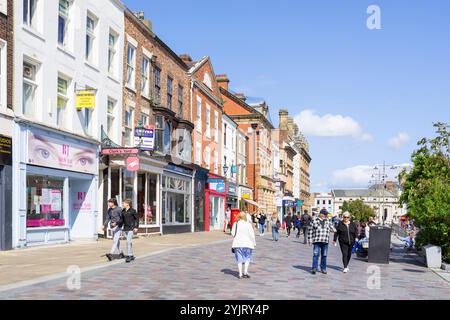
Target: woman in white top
x=243 y=244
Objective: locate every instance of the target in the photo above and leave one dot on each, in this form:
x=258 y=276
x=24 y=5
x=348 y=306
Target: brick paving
x=280 y=272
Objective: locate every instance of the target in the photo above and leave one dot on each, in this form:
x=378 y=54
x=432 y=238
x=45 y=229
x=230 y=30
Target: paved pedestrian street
x=281 y=271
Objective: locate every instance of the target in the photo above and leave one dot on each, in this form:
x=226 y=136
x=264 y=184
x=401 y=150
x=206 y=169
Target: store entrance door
x=81 y=209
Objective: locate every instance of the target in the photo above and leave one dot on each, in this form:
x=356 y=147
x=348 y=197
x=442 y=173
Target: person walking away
x=244 y=243
x=130 y=226
x=294 y=221
x=114 y=222
x=288 y=221
x=275 y=225
x=261 y=223
x=319 y=237
x=227 y=219
x=306 y=222
x=347 y=234
x=298 y=225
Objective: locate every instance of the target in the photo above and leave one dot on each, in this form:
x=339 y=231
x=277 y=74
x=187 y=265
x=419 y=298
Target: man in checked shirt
x=319 y=236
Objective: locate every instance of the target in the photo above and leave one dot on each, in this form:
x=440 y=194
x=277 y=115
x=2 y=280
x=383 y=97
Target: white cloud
x=399 y=141
x=330 y=125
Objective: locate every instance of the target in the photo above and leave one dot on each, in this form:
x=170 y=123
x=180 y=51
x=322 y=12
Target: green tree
x=359 y=210
x=426 y=190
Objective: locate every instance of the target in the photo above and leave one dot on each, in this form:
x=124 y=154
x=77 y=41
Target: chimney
x=283 y=116
x=141 y=16
x=186 y=58
x=223 y=81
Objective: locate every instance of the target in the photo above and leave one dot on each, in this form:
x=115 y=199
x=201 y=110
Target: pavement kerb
x=57 y=276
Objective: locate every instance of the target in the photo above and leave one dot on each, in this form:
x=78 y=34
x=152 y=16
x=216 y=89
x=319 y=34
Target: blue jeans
x=261 y=228
x=275 y=233
x=320 y=249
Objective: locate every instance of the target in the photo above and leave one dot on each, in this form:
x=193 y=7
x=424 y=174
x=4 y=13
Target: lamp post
x=380 y=179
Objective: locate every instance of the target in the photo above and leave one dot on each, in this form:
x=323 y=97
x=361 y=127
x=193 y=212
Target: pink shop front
x=58 y=178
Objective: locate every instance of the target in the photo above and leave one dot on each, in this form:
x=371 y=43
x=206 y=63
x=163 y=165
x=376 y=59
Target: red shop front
x=215 y=200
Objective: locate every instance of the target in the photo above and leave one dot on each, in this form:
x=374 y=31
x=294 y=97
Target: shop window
x=45 y=201
x=176 y=200
x=127 y=185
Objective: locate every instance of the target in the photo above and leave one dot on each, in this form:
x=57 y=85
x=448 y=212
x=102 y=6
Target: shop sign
x=47 y=151
x=5 y=150
x=181 y=170
x=234 y=169
x=144 y=138
x=288 y=203
x=300 y=203
x=231 y=189
x=85 y=99
x=133 y=164
x=119 y=151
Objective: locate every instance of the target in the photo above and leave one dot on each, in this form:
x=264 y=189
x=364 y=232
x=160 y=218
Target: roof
x=362 y=193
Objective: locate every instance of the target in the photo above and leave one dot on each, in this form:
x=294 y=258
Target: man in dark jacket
x=288 y=222
x=130 y=226
x=114 y=221
x=347 y=233
x=306 y=222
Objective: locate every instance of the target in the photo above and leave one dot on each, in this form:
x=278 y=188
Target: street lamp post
x=380 y=179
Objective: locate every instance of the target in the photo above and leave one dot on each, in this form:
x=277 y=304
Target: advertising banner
x=144 y=138
x=85 y=99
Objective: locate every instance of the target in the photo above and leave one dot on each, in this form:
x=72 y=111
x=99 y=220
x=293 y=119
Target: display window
x=176 y=200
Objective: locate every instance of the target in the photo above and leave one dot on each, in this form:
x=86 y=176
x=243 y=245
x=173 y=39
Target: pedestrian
x=261 y=223
x=288 y=222
x=347 y=234
x=114 y=222
x=244 y=243
x=130 y=226
x=298 y=225
x=294 y=221
x=227 y=219
x=275 y=224
x=319 y=236
x=306 y=222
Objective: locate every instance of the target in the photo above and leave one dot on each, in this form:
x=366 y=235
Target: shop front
x=201 y=176
x=5 y=193
x=56 y=193
x=232 y=196
x=177 y=198
x=215 y=199
x=288 y=205
x=245 y=194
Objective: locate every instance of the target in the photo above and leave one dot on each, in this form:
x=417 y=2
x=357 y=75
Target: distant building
x=323 y=201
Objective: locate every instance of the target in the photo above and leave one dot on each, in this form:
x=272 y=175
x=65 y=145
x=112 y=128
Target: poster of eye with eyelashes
x=56 y=153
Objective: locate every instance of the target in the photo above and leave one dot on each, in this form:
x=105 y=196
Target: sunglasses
x=346 y=217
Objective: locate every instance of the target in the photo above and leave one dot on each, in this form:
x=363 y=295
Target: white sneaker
x=346 y=270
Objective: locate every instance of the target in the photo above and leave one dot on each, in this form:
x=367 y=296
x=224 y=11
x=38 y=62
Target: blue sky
x=318 y=58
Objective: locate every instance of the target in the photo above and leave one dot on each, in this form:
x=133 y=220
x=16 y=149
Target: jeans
x=129 y=235
x=346 y=250
x=261 y=228
x=288 y=229
x=275 y=233
x=320 y=249
x=116 y=233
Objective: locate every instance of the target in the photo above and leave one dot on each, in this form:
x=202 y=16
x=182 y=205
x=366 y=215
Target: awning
x=251 y=202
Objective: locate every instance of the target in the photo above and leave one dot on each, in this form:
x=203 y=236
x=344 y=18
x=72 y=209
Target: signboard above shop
x=5 y=150
x=144 y=138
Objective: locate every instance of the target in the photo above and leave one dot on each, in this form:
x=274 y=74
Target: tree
x=426 y=190
x=359 y=210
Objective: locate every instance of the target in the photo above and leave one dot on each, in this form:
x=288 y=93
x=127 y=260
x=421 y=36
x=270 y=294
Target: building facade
x=229 y=160
x=56 y=157
x=323 y=201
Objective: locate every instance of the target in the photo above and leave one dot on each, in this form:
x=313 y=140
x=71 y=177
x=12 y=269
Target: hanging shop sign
x=119 y=151
x=300 y=203
x=234 y=169
x=85 y=99
x=51 y=151
x=133 y=164
x=5 y=150
x=144 y=138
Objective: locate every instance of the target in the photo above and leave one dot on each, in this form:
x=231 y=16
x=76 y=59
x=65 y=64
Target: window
x=208 y=121
x=144 y=119
x=29 y=89
x=199 y=115
x=187 y=146
x=112 y=53
x=145 y=69
x=29 y=12
x=87 y=120
x=110 y=117
x=63 y=20
x=169 y=92
x=216 y=126
x=318 y=202
x=216 y=162
x=329 y=202
x=198 y=153
x=129 y=126
x=225 y=135
x=233 y=144
x=167 y=146
x=3 y=75
x=131 y=63
x=208 y=157
x=180 y=101
x=323 y=202
x=159 y=134
x=62 y=101
x=157 y=81
x=90 y=38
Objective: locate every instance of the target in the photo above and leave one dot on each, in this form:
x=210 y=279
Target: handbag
x=237 y=225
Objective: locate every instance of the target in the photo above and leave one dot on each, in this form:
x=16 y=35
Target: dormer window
x=207 y=80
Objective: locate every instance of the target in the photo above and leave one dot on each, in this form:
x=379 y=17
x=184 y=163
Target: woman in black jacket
x=347 y=233
x=130 y=226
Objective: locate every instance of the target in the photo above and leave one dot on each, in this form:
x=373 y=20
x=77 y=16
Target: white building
x=323 y=200
x=385 y=203
x=61 y=47
x=229 y=161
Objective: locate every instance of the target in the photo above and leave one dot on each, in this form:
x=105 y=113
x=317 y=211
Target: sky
x=361 y=96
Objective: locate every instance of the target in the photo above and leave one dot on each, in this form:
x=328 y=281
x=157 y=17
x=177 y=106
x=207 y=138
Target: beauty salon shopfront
x=55 y=197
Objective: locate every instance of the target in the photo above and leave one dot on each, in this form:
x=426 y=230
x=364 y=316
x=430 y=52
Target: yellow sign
x=85 y=99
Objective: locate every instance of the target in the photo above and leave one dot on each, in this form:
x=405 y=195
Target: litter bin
x=234 y=215
x=379 y=244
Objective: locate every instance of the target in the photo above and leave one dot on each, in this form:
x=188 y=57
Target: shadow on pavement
x=230 y=272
